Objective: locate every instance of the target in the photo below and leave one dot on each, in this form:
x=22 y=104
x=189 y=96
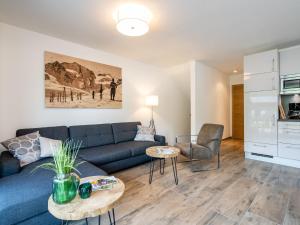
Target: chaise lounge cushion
x=124 y=131
x=92 y=135
x=21 y=200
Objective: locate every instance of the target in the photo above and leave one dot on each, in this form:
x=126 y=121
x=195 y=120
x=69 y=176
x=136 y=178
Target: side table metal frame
x=112 y=219
x=162 y=168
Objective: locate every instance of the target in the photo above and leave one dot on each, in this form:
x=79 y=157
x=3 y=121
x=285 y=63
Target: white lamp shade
x=152 y=100
x=132 y=19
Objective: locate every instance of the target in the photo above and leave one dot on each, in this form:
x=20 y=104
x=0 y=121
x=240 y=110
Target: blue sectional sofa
x=106 y=148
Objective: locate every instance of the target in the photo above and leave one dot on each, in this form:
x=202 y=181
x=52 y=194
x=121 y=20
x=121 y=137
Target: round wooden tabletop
x=99 y=203
x=158 y=151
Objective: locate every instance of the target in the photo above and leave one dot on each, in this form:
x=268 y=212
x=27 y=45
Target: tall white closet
x=261 y=87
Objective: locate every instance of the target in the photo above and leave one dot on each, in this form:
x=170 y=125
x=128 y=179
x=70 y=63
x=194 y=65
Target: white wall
x=233 y=80
x=182 y=101
x=22 y=88
x=209 y=97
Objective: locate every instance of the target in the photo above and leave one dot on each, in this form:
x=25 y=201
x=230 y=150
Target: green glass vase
x=64 y=188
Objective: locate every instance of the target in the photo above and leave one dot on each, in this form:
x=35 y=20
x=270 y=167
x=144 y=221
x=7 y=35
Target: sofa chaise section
x=24 y=194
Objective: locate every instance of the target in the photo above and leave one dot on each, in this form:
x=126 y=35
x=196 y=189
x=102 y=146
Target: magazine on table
x=106 y=183
x=165 y=150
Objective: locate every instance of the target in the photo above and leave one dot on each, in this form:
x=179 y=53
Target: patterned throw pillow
x=26 y=148
x=144 y=134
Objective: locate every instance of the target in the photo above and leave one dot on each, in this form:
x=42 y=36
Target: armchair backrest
x=210 y=136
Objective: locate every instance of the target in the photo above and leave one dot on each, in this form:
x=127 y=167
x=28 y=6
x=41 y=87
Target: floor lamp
x=152 y=101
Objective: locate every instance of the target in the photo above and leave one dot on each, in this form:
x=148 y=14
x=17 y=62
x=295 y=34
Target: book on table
x=105 y=183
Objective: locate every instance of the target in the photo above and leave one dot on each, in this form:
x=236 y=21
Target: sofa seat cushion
x=139 y=147
x=105 y=154
x=25 y=194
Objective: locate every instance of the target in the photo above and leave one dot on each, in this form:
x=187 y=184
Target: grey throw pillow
x=49 y=146
x=144 y=134
x=26 y=148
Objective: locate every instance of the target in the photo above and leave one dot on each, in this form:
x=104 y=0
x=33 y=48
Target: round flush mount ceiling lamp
x=132 y=19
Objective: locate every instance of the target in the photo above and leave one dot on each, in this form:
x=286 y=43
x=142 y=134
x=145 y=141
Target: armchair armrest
x=160 y=138
x=8 y=164
x=185 y=136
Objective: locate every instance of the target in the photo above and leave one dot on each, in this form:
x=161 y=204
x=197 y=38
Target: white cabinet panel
x=264 y=62
x=289 y=125
x=261 y=82
x=290 y=61
x=289 y=133
x=261 y=114
x=289 y=136
x=264 y=149
x=289 y=151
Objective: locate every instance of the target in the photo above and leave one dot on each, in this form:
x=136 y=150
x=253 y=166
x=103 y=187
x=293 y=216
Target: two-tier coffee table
x=100 y=202
x=163 y=153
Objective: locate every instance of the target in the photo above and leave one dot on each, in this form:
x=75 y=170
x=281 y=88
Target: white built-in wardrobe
x=266 y=138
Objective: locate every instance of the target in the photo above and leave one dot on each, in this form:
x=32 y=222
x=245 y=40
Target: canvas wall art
x=76 y=83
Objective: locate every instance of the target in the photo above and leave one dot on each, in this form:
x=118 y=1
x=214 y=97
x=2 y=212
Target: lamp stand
x=152 y=125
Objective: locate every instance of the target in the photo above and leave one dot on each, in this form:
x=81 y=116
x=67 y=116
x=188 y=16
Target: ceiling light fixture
x=132 y=19
x=235 y=71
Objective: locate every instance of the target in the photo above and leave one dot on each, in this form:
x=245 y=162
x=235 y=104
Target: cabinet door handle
x=273 y=83
x=273 y=64
x=263 y=146
x=274 y=120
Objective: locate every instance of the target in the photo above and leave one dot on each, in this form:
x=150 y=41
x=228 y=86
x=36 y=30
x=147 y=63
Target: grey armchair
x=207 y=144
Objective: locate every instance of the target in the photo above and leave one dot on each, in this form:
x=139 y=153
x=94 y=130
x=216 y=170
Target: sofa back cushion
x=92 y=135
x=57 y=133
x=125 y=131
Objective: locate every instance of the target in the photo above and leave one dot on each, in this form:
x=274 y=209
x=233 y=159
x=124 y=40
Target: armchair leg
x=219 y=160
x=210 y=169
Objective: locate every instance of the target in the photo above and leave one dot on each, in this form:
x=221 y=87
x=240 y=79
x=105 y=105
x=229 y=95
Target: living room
x=170 y=108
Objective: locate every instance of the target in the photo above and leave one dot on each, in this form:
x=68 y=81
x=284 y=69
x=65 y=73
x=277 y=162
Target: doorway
x=237 y=116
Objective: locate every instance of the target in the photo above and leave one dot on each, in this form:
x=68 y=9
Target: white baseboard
x=276 y=160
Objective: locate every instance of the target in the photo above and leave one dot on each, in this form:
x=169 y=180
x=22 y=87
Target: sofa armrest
x=160 y=139
x=8 y=164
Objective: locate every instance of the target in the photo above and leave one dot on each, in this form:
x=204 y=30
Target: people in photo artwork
x=113 y=88
x=62 y=96
x=101 y=91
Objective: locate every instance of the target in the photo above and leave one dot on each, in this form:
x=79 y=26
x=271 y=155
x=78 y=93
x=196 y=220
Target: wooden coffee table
x=99 y=203
x=154 y=152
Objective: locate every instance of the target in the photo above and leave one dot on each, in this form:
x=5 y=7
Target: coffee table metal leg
x=151 y=170
x=174 y=166
x=162 y=168
x=86 y=221
x=64 y=222
x=99 y=220
x=109 y=218
x=113 y=221
x=114 y=218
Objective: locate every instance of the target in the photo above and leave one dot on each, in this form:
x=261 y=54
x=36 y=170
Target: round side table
x=158 y=152
x=100 y=202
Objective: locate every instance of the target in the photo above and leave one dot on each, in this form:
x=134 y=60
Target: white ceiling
x=218 y=32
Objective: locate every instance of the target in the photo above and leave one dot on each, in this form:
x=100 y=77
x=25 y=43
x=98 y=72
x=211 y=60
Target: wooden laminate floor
x=241 y=192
